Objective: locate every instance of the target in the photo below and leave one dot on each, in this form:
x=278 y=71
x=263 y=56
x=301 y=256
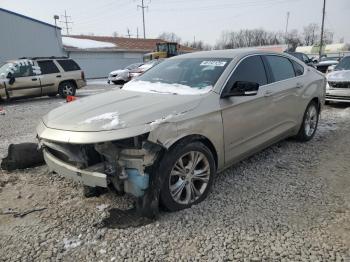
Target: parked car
x=122 y=76
x=143 y=68
x=325 y=62
x=338 y=87
x=166 y=134
x=303 y=57
x=39 y=77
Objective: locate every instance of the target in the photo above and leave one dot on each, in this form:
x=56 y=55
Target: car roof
x=228 y=53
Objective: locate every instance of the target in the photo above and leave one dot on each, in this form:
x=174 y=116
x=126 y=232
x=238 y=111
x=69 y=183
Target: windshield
x=133 y=66
x=344 y=64
x=181 y=76
x=4 y=68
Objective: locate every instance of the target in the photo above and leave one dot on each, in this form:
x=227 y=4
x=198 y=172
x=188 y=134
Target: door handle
x=268 y=93
x=34 y=79
x=299 y=85
x=58 y=76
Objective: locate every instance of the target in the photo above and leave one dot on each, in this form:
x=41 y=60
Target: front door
x=26 y=82
x=246 y=119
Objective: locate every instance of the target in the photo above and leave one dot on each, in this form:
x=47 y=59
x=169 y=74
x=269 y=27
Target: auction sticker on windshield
x=213 y=63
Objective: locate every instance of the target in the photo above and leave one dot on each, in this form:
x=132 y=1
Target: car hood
x=118 y=109
x=120 y=71
x=341 y=75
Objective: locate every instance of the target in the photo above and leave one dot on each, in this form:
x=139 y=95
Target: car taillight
x=83 y=75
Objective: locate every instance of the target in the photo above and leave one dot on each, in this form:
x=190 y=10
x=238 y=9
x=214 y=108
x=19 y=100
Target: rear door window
x=68 y=65
x=48 y=67
x=281 y=67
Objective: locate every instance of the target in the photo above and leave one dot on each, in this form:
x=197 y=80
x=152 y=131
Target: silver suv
x=39 y=77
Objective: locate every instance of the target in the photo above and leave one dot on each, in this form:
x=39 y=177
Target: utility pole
x=66 y=22
x=322 y=27
x=287 y=24
x=143 y=7
x=137 y=32
x=128 y=30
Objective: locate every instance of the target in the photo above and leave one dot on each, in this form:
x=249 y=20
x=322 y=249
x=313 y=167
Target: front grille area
x=339 y=84
x=338 y=97
x=77 y=155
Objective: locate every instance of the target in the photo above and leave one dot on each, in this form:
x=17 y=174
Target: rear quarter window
x=298 y=68
x=68 y=65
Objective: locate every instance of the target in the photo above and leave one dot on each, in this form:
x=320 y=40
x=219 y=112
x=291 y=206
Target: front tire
x=310 y=122
x=66 y=88
x=188 y=171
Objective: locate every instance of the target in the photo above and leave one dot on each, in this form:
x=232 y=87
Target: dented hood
x=119 y=109
x=341 y=75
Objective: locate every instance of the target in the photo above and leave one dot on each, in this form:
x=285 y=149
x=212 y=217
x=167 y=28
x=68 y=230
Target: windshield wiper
x=157 y=91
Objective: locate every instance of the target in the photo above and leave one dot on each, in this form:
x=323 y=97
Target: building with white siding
x=23 y=36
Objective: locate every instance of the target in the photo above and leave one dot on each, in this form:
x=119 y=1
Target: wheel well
x=317 y=101
x=198 y=138
x=69 y=80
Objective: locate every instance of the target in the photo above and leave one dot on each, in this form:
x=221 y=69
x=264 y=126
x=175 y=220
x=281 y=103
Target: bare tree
x=171 y=37
x=311 y=34
x=293 y=40
x=248 y=38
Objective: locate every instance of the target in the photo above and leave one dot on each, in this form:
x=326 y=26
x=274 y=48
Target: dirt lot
x=289 y=202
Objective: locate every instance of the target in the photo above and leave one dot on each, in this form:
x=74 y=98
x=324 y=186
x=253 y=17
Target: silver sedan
x=165 y=135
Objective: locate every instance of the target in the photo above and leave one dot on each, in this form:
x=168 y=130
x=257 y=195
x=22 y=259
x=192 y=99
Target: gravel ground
x=289 y=202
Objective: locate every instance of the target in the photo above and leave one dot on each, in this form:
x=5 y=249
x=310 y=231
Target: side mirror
x=242 y=88
x=11 y=78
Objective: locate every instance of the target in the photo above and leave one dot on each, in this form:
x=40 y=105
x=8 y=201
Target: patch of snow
x=85 y=43
x=345 y=113
x=163 y=88
x=157 y=122
x=100 y=81
x=71 y=243
x=112 y=117
x=103 y=251
x=102 y=207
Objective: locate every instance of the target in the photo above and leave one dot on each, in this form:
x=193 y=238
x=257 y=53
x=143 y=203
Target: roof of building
x=124 y=43
x=29 y=18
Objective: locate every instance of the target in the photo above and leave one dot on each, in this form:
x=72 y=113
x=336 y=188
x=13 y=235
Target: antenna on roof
x=66 y=22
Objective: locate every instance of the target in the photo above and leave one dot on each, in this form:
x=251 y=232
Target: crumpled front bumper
x=89 y=178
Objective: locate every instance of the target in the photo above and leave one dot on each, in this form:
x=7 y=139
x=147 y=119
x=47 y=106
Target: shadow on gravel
x=122 y=219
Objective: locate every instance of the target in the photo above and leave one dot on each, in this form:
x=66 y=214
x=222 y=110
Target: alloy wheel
x=189 y=177
x=310 y=122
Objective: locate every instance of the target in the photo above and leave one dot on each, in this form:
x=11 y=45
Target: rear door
x=285 y=90
x=26 y=82
x=50 y=76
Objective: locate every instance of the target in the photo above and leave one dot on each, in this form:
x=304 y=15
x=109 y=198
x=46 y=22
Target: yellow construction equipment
x=163 y=50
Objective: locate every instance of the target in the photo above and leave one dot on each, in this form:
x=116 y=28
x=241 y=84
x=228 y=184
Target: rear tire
x=67 y=88
x=188 y=171
x=310 y=122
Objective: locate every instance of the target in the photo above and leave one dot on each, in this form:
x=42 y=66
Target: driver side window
x=251 y=69
x=23 y=71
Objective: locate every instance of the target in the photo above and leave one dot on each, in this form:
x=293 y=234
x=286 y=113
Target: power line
x=66 y=22
x=143 y=7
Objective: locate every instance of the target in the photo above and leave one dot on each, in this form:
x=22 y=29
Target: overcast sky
x=202 y=19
